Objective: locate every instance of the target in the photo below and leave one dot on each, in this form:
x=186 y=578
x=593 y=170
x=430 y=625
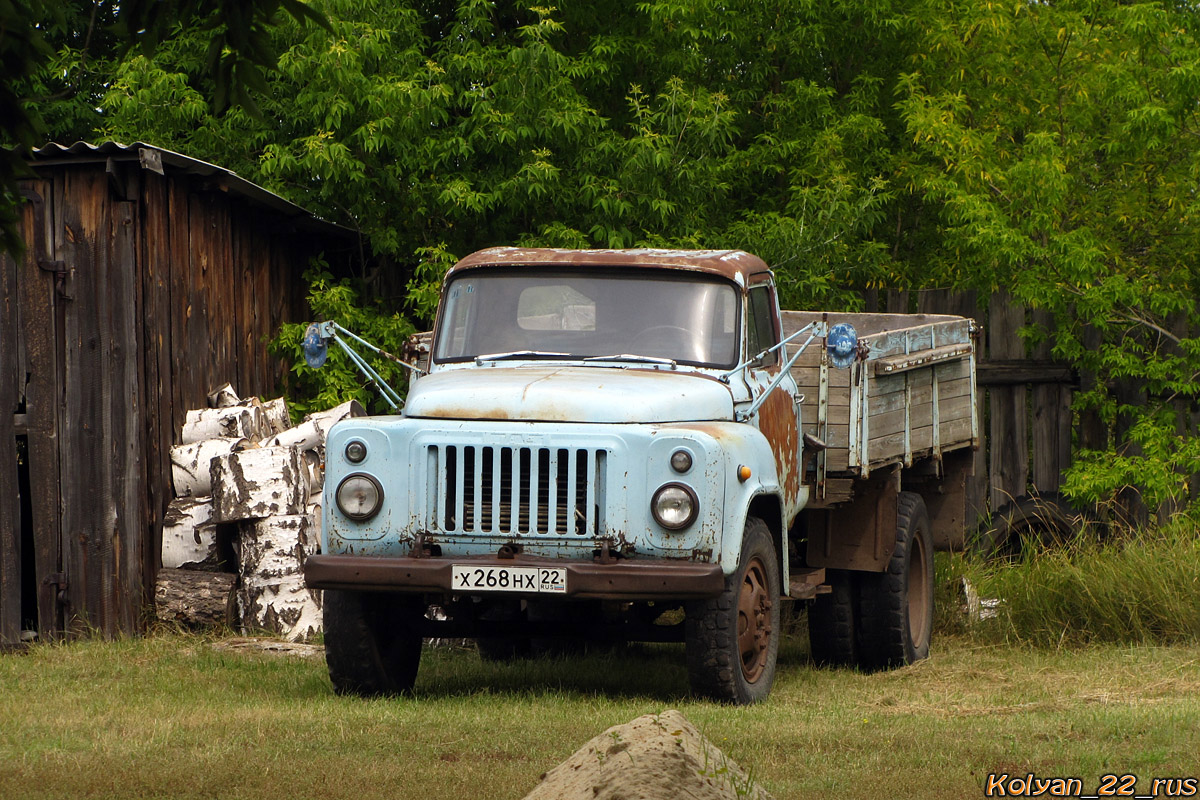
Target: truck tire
x=1030 y=521
x=372 y=642
x=832 y=633
x=733 y=639
x=895 y=619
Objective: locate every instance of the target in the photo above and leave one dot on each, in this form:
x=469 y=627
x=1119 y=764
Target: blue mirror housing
x=316 y=349
x=842 y=344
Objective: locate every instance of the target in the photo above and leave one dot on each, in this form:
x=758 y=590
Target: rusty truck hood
x=570 y=394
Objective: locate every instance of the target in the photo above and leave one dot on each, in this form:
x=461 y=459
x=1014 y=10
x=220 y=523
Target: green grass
x=175 y=716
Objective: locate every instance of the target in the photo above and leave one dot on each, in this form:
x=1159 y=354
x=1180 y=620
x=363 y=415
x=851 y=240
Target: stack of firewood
x=247 y=514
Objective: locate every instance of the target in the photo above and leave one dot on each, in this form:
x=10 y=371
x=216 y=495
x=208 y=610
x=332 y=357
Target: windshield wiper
x=631 y=357
x=519 y=354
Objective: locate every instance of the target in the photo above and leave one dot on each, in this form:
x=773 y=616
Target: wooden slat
x=181 y=311
x=881 y=404
x=921 y=416
x=1018 y=371
x=125 y=433
x=1009 y=440
x=11 y=378
x=809 y=376
x=888 y=448
x=1052 y=421
x=223 y=312
x=87 y=479
x=42 y=336
x=243 y=318
x=158 y=380
x=266 y=380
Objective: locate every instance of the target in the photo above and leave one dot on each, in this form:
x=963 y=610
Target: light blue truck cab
x=607 y=444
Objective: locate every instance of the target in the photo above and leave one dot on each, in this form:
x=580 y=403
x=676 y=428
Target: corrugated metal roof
x=160 y=160
x=736 y=265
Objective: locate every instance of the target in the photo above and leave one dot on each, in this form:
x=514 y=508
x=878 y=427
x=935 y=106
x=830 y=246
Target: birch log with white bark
x=189 y=537
x=324 y=420
x=311 y=433
x=316 y=473
x=236 y=421
x=272 y=594
x=190 y=464
x=315 y=513
x=223 y=397
x=277 y=415
x=254 y=484
x=305 y=436
x=195 y=599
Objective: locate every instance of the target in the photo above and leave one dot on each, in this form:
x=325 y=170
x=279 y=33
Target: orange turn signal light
x=743 y=473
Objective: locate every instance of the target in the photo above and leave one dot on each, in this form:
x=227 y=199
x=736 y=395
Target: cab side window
x=760 y=325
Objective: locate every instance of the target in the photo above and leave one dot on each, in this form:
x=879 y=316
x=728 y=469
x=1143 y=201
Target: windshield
x=687 y=318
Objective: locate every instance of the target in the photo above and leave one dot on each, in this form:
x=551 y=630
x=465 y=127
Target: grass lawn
x=180 y=717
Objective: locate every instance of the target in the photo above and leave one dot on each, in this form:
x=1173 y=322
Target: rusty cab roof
x=734 y=265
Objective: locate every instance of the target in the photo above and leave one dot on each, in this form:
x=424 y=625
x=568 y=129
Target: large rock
x=655 y=757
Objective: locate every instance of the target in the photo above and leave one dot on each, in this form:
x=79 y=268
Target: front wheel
x=372 y=642
x=733 y=639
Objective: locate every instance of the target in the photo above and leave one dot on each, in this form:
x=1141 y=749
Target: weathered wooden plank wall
x=168 y=287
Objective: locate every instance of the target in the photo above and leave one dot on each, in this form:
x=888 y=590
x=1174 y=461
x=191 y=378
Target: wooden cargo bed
x=910 y=397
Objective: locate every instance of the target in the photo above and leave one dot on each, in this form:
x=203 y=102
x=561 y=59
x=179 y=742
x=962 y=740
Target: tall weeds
x=1138 y=588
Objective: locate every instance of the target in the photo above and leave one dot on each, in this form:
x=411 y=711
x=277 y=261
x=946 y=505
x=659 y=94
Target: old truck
x=639 y=445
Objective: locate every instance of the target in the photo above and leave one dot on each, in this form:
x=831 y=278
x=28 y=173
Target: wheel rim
x=754 y=621
x=919 y=599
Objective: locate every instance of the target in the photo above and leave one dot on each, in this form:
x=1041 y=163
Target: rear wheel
x=895 y=621
x=372 y=641
x=831 y=628
x=733 y=639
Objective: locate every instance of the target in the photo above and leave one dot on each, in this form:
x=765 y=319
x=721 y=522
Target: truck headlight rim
x=674 y=493
x=361 y=482
x=356 y=451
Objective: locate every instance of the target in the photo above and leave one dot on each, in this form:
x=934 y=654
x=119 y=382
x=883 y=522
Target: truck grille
x=517 y=490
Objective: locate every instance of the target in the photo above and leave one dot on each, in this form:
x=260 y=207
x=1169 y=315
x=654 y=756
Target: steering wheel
x=669 y=341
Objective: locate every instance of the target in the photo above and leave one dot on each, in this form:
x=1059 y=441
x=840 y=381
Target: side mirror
x=842 y=344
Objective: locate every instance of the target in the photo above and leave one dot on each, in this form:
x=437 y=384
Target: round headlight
x=356 y=451
x=681 y=461
x=359 y=497
x=674 y=506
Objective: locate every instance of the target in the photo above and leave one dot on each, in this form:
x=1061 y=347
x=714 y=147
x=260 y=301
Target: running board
x=805 y=584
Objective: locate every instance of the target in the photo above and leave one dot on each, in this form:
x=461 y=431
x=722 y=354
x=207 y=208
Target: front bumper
x=622 y=580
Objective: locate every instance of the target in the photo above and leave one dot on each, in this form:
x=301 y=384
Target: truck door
x=776 y=418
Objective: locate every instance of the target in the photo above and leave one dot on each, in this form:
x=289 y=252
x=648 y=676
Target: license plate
x=538 y=580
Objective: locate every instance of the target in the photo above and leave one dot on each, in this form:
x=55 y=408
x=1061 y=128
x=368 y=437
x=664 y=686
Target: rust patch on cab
x=777 y=422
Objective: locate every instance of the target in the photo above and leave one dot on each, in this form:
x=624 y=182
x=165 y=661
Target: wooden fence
x=1025 y=396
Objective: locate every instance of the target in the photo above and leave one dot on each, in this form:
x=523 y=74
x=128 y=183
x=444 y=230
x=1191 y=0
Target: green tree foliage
x=1057 y=144
x=1046 y=148
x=437 y=129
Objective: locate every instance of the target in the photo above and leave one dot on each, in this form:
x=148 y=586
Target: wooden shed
x=149 y=278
